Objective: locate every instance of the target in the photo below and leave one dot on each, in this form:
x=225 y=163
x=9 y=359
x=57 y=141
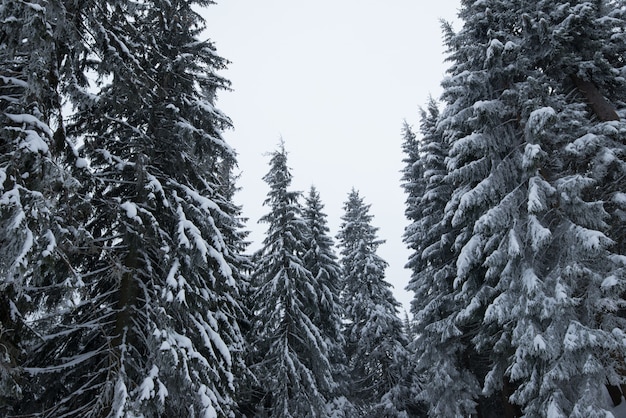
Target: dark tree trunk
x=602 y=108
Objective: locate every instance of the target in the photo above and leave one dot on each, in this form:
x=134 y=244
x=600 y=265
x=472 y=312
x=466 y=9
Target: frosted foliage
x=32 y=141
x=38 y=226
x=146 y=238
x=119 y=399
x=468 y=257
x=372 y=328
x=521 y=280
x=538 y=123
x=533 y=156
x=340 y=408
x=291 y=343
x=152 y=386
x=539 y=191
x=131 y=211
x=540 y=236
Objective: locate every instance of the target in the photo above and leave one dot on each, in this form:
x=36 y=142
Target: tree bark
x=603 y=109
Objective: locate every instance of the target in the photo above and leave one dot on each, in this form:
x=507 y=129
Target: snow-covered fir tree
x=439 y=352
x=375 y=340
x=422 y=178
x=320 y=259
x=242 y=266
x=409 y=327
x=535 y=163
x=38 y=205
x=413 y=174
x=568 y=322
x=292 y=355
x=153 y=330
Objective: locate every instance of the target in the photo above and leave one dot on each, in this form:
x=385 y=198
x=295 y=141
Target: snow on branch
x=147 y=388
x=30 y=120
x=75 y=361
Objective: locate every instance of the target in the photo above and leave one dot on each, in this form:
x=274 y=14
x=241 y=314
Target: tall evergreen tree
x=320 y=259
x=413 y=173
x=153 y=331
x=440 y=354
x=293 y=366
x=375 y=340
x=536 y=168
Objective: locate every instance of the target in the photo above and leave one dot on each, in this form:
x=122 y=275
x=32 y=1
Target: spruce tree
x=532 y=114
x=292 y=364
x=413 y=174
x=572 y=287
x=375 y=340
x=320 y=259
x=153 y=330
x=441 y=373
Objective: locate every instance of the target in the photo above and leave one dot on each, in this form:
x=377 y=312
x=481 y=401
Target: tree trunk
x=510 y=410
x=603 y=109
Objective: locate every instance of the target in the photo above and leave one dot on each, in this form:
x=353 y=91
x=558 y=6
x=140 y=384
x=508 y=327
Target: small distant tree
x=441 y=373
x=320 y=259
x=292 y=355
x=413 y=180
x=375 y=340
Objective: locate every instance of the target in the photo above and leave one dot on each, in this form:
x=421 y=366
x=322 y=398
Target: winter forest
x=128 y=289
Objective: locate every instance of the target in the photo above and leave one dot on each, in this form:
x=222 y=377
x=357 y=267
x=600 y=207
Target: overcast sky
x=335 y=79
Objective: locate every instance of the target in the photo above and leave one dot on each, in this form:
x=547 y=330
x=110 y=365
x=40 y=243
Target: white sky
x=335 y=79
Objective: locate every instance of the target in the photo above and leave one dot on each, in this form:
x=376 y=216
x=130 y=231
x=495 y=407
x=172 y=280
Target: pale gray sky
x=335 y=79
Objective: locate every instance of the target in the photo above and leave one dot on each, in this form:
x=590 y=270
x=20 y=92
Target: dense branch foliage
x=292 y=362
x=320 y=259
x=525 y=286
x=39 y=210
x=147 y=320
x=123 y=275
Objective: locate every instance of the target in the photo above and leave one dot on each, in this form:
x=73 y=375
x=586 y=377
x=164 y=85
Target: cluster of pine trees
x=124 y=284
x=516 y=197
x=126 y=290
x=324 y=337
